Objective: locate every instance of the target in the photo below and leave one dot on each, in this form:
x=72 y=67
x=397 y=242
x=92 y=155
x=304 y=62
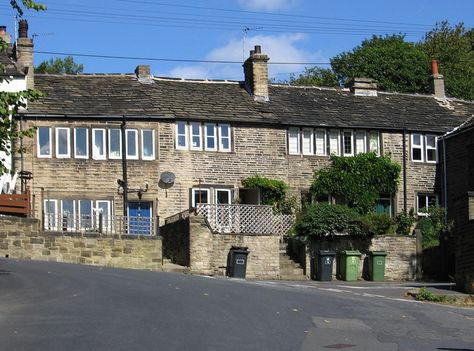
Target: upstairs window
x=63 y=146
x=115 y=144
x=224 y=138
x=98 y=144
x=148 y=144
x=360 y=142
x=320 y=142
x=431 y=152
x=131 y=143
x=308 y=142
x=181 y=136
x=294 y=141
x=210 y=135
x=417 y=147
x=374 y=142
x=334 y=145
x=44 y=142
x=81 y=143
x=347 y=143
x=196 y=136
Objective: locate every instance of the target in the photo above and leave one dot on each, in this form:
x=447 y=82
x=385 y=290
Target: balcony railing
x=245 y=219
x=102 y=225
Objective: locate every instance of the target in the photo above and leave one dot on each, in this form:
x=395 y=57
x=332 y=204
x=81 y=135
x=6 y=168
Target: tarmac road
x=54 y=306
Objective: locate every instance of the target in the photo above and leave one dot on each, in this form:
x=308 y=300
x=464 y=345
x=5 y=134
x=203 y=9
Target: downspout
x=404 y=171
x=124 y=168
x=445 y=184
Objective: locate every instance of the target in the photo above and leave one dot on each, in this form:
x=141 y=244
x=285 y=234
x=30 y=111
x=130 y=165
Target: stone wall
x=208 y=252
x=21 y=239
x=400 y=262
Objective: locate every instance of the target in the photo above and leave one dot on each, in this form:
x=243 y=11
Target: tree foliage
x=60 y=66
x=10 y=103
x=395 y=64
x=453 y=48
x=359 y=179
x=316 y=76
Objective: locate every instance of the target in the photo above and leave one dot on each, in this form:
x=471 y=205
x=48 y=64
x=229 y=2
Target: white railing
x=103 y=225
x=245 y=219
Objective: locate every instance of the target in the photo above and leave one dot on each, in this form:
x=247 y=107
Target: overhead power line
x=169 y=59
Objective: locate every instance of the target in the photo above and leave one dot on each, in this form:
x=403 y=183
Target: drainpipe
x=445 y=184
x=124 y=168
x=405 y=171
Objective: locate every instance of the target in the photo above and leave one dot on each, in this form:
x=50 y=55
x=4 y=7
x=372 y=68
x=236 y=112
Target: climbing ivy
x=359 y=179
x=272 y=191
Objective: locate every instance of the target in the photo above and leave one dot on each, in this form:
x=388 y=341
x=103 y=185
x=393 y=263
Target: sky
x=166 y=33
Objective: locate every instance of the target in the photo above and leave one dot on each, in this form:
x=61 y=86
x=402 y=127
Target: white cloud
x=279 y=48
x=268 y=5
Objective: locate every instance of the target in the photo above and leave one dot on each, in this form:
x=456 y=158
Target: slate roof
x=8 y=64
x=116 y=95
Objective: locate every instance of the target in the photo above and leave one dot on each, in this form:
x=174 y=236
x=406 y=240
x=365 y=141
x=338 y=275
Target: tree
x=394 y=63
x=60 y=66
x=11 y=102
x=316 y=76
x=453 y=48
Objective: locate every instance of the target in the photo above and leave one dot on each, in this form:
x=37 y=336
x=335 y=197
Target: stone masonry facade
x=20 y=238
x=261 y=150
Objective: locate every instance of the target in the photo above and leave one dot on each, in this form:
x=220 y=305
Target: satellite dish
x=167 y=178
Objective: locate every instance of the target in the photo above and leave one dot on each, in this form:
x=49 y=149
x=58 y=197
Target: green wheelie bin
x=377 y=265
x=350 y=265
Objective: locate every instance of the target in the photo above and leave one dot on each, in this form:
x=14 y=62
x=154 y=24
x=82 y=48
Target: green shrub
x=432 y=226
x=404 y=222
x=426 y=295
x=379 y=223
x=322 y=220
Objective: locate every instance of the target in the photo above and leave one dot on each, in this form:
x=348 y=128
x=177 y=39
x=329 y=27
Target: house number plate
x=239 y=261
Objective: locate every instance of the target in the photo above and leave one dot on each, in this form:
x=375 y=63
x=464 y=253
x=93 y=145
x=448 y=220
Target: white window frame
x=185 y=146
x=229 y=191
x=50 y=154
x=112 y=157
x=344 y=153
x=193 y=193
x=425 y=195
x=131 y=157
x=207 y=136
x=229 y=136
x=86 y=156
x=54 y=225
x=298 y=141
x=95 y=155
x=107 y=224
x=357 y=135
x=435 y=148
x=337 y=133
x=192 y=135
x=416 y=146
x=369 y=148
x=73 y=214
x=68 y=141
x=322 y=152
x=152 y=157
x=311 y=141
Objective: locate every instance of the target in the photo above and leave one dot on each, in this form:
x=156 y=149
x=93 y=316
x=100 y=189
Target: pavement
x=55 y=306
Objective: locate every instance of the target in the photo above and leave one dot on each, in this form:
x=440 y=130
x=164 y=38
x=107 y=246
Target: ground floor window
x=424 y=201
x=384 y=204
x=210 y=194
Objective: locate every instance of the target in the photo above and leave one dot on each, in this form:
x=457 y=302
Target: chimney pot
x=364 y=87
x=252 y=52
x=258 y=49
x=143 y=73
x=434 y=67
x=23 y=29
x=4 y=35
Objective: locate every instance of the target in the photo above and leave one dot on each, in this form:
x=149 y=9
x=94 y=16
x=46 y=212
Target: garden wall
x=21 y=239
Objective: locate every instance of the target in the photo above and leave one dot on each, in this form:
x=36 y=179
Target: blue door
x=139 y=218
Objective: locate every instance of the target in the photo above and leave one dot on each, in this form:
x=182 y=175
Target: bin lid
x=378 y=253
x=352 y=253
x=239 y=249
x=326 y=253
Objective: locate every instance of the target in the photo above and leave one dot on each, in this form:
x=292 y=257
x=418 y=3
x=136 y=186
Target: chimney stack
x=7 y=38
x=24 y=53
x=256 y=74
x=143 y=74
x=364 y=87
x=437 y=82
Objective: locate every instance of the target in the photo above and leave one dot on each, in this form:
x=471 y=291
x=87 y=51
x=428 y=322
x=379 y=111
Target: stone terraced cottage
x=173 y=143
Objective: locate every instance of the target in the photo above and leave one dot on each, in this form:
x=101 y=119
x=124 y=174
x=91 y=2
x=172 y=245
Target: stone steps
x=289 y=269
